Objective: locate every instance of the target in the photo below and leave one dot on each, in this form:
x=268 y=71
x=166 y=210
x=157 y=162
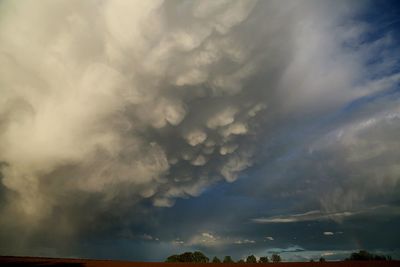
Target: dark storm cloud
x=113 y=111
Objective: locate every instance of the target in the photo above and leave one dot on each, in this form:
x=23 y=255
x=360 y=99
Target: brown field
x=31 y=261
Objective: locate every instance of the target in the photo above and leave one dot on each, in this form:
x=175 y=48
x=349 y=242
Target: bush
x=322 y=259
x=216 y=260
x=186 y=257
x=172 y=258
x=251 y=259
x=276 y=258
x=364 y=255
x=200 y=257
x=228 y=259
x=263 y=259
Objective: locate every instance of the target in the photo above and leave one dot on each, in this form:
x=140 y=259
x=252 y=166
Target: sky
x=135 y=130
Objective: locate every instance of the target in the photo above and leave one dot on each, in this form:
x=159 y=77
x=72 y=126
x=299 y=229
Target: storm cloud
x=111 y=111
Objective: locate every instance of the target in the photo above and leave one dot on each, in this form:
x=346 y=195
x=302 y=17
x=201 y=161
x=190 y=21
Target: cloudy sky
x=140 y=129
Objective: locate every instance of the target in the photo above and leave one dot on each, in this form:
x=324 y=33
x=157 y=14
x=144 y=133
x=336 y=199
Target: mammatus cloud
x=122 y=101
x=111 y=108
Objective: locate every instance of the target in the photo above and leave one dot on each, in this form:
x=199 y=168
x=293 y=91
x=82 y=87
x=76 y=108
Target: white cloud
x=294 y=248
x=236 y=128
x=207 y=239
x=102 y=91
x=314 y=215
x=222 y=118
x=196 y=137
x=199 y=161
x=367 y=144
x=328 y=233
x=149 y=237
x=328 y=253
x=122 y=101
x=163 y=202
x=208 y=235
x=178 y=242
x=228 y=149
x=244 y=241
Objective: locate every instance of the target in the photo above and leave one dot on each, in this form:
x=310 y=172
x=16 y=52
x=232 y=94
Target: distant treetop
x=196 y=256
x=228 y=259
x=276 y=258
x=251 y=259
x=364 y=255
x=263 y=259
x=216 y=260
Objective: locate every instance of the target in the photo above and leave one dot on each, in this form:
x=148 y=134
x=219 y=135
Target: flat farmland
x=31 y=261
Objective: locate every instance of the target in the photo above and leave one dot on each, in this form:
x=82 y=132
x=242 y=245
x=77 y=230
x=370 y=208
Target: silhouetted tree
x=311 y=260
x=263 y=259
x=186 y=257
x=322 y=259
x=364 y=255
x=241 y=261
x=216 y=260
x=228 y=259
x=251 y=259
x=276 y=258
x=197 y=256
x=200 y=257
x=172 y=258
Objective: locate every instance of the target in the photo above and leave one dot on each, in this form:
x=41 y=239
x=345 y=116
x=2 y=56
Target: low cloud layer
x=112 y=110
x=308 y=216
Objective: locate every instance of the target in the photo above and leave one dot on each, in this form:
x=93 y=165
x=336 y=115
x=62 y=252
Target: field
x=30 y=261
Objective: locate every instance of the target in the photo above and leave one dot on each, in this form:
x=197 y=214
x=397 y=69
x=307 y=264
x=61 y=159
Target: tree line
x=199 y=257
x=364 y=255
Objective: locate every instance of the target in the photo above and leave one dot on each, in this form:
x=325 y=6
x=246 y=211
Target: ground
x=31 y=261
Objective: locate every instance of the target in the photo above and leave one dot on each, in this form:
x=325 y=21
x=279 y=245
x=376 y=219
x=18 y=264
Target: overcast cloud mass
x=139 y=129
